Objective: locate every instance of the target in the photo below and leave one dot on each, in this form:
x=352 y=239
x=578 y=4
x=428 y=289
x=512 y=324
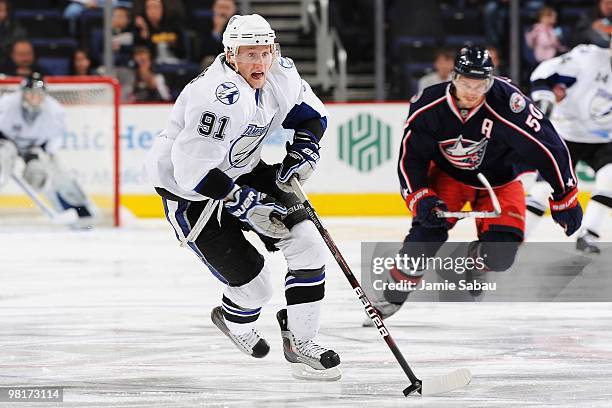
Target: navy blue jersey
x=502 y=137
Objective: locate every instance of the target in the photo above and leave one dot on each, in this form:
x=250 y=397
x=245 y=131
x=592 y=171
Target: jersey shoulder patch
x=286 y=62
x=227 y=93
x=517 y=102
x=416 y=97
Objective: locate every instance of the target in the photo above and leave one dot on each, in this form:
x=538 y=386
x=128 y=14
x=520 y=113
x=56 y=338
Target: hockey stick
x=66 y=217
x=435 y=385
x=476 y=214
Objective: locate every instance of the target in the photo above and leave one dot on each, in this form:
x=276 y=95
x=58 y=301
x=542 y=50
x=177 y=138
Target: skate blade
x=305 y=372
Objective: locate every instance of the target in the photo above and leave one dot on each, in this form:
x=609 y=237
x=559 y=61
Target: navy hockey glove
x=424 y=205
x=259 y=211
x=301 y=160
x=566 y=211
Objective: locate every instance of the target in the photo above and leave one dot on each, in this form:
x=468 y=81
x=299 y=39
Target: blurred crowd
x=422 y=44
x=158 y=45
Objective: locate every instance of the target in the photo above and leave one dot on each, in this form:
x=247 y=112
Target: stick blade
x=445 y=383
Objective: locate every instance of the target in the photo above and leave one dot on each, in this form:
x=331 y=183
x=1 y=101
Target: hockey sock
x=594 y=217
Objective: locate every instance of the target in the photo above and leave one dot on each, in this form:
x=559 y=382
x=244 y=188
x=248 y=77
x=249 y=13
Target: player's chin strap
x=476 y=214
x=207 y=212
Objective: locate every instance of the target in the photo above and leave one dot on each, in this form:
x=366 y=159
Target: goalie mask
x=33 y=92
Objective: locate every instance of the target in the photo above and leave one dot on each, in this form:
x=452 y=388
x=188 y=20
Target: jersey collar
x=455 y=109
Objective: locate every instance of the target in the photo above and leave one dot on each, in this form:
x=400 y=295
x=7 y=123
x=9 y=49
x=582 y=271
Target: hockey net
x=89 y=150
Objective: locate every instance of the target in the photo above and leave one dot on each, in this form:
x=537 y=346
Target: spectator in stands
x=173 y=9
x=495 y=13
x=10 y=31
x=162 y=35
x=443 y=65
x=543 y=38
x=596 y=27
x=75 y=8
x=211 y=42
x=147 y=86
x=81 y=63
x=22 y=61
x=123 y=35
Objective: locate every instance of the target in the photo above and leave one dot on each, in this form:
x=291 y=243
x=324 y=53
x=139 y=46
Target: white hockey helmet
x=250 y=29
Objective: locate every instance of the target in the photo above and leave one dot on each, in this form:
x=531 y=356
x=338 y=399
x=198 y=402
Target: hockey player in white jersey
x=575 y=91
x=206 y=165
x=31 y=128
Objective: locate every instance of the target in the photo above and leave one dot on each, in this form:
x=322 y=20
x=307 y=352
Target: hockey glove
x=424 y=205
x=566 y=211
x=301 y=160
x=260 y=212
x=545 y=100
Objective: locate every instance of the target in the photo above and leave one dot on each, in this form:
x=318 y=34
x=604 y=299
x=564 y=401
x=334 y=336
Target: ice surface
x=120 y=318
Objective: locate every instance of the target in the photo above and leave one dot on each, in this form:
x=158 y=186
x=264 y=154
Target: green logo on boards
x=364 y=142
x=584 y=172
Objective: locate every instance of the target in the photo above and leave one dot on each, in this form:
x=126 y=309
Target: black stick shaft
x=370 y=311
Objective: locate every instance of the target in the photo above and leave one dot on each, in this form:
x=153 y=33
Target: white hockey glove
x=301 y=160
x=259 y=211
x=545 y=100
x=8 y=155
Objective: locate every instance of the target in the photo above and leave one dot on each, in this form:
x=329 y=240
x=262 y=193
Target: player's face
x=253 y=63
x=33 y=98
x=470 y=91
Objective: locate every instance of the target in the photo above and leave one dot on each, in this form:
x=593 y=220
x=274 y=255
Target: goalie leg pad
x=64 y=193
x=8 y=155
x=38 y=170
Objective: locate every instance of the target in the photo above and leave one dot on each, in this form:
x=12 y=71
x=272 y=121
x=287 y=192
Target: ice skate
x=251 y=342
x=309 y=361
x=587 y=243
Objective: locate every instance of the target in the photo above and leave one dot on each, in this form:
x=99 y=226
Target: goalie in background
x=31 y=127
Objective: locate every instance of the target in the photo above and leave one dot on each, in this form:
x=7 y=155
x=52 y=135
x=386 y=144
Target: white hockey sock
x=303 y=319
x=239 y=328
x=538 y=199
x=595 y=216
x=531 y=222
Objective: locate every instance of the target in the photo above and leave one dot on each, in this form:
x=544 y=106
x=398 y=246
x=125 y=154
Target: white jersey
x=47 y=129
x=585 y=114
x=219 y=121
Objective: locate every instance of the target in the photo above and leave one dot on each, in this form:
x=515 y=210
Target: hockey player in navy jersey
x=206 y=164
x=476 y=123
x=575 y=91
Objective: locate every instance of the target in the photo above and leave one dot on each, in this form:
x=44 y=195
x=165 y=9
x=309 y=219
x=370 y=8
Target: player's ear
x=230 y=58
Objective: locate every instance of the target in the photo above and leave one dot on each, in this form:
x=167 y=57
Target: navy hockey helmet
x=474 y=62
x=33 y=91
